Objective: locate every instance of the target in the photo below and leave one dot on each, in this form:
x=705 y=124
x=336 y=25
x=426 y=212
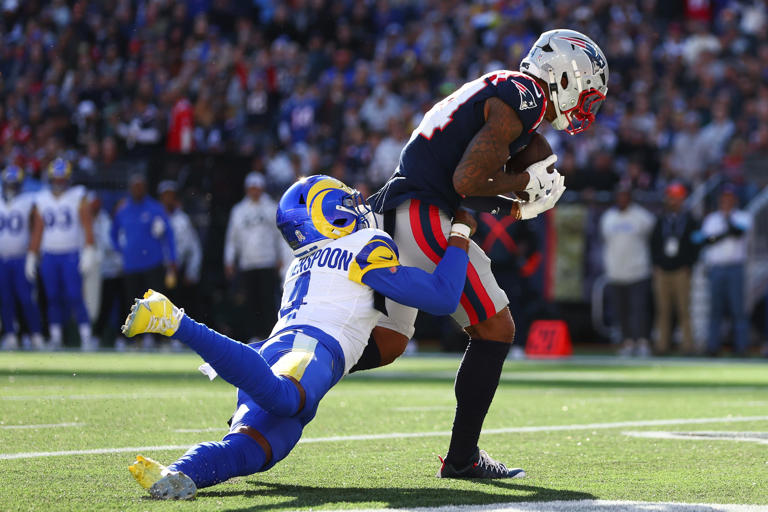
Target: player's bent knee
x=499 y=327
x=281 y=434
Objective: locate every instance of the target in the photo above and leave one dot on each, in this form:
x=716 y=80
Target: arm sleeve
x=437 y=293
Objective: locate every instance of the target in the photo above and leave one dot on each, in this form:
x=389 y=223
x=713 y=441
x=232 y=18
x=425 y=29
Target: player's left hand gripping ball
x=154 y=313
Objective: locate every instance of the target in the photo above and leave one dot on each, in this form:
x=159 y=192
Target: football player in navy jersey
x=458 y=153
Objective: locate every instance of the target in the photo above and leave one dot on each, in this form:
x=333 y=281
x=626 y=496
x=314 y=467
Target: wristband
x=461 y=230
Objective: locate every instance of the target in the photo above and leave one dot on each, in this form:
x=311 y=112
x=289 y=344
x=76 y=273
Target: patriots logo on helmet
x=598 y=63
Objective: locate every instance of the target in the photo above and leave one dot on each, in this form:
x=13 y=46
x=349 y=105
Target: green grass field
x=558 y=420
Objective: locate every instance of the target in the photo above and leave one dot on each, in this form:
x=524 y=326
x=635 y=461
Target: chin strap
x=560 y=122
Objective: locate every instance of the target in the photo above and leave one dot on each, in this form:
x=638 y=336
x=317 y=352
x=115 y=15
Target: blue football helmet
x=13 y=175
x=318 y=209
x=59 y=169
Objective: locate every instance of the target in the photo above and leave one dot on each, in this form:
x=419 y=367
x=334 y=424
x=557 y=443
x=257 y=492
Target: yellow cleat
x=161 y=483
x=154 y=313
x=147 y=471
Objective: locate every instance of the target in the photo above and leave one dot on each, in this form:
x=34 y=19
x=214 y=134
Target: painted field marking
x=407 y=435
x=44 y=425
x=750 y=437
x=584 y=506
x=418 y=408
x=118 y=396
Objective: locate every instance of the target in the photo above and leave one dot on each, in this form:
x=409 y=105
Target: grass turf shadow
x=393 y=497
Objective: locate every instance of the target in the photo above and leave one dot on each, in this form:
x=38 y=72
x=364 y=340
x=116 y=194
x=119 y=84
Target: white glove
x=540 y=180
x=30 y=266
x=158 y=227
x=89 y=259
x=531 y=209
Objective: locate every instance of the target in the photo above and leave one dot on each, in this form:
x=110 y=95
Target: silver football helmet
x=577 y=73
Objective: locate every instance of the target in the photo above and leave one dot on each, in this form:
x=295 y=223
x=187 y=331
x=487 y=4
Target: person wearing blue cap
x=15 y=229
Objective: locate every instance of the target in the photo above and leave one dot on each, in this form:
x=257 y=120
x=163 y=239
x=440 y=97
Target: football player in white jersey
x=67 y=249
x=15 y=226
x=332 y=298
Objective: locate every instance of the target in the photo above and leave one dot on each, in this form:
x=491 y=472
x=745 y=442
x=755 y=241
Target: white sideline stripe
x=744 y=437
x=418 y=408
x=117 y=396
x=585 y=506
x=401 y=435
x=95 y=451
x=44 y=425
x=515 y=430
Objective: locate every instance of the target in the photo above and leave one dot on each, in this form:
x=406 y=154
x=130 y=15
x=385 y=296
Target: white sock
x=37 y=341
x=85 y=334
x=55 y=330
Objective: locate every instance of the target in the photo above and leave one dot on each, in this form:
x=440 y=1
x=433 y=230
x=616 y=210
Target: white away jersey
x=62 y=231
x=325 y=289
x=15 y=225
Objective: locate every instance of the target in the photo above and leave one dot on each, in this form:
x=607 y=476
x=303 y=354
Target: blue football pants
x=268 y=401
x=63 y=287
x=14 y=286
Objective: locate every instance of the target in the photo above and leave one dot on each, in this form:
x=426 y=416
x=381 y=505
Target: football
x=536 y=150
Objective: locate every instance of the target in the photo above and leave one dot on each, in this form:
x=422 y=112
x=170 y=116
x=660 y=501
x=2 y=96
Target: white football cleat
x=174 y=486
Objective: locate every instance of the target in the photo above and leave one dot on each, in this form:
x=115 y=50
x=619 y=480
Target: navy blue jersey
x=428 y=161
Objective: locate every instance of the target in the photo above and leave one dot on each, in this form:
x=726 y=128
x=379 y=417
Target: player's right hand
x=30 y=266
x=531 y=209
x=540 y=179
x=464 y=217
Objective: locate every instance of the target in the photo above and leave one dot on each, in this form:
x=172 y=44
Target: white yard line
x=585 y=506
x=44 y=425
x=118 y=396
x=748 y=437
x=406 y=435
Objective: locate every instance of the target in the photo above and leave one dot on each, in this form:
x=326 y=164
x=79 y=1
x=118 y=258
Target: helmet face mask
x=318 y=209
x=576 y=72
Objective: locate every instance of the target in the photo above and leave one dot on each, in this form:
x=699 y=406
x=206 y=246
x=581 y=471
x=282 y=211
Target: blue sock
x=214 y=462
x=242 y=366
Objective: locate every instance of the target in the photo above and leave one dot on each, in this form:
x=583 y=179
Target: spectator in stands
x=673 y=253
x=724 y=233
x=626 y=229
x=189 y=254
x=142 y=232
x=252 y=252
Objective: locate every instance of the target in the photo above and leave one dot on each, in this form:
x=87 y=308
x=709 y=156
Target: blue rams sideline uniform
x=328 y=310
x=15 y=215
x=63 y=238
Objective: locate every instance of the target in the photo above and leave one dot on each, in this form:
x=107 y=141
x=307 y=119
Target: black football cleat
x=483 y=466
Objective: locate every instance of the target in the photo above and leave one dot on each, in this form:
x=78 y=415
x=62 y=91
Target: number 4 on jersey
x=441 y=114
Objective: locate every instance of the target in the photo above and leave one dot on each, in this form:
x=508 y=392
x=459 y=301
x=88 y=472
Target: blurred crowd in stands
x=295 y=87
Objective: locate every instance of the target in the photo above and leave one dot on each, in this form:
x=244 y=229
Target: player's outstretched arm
x=487 y=152
x=437 y=293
